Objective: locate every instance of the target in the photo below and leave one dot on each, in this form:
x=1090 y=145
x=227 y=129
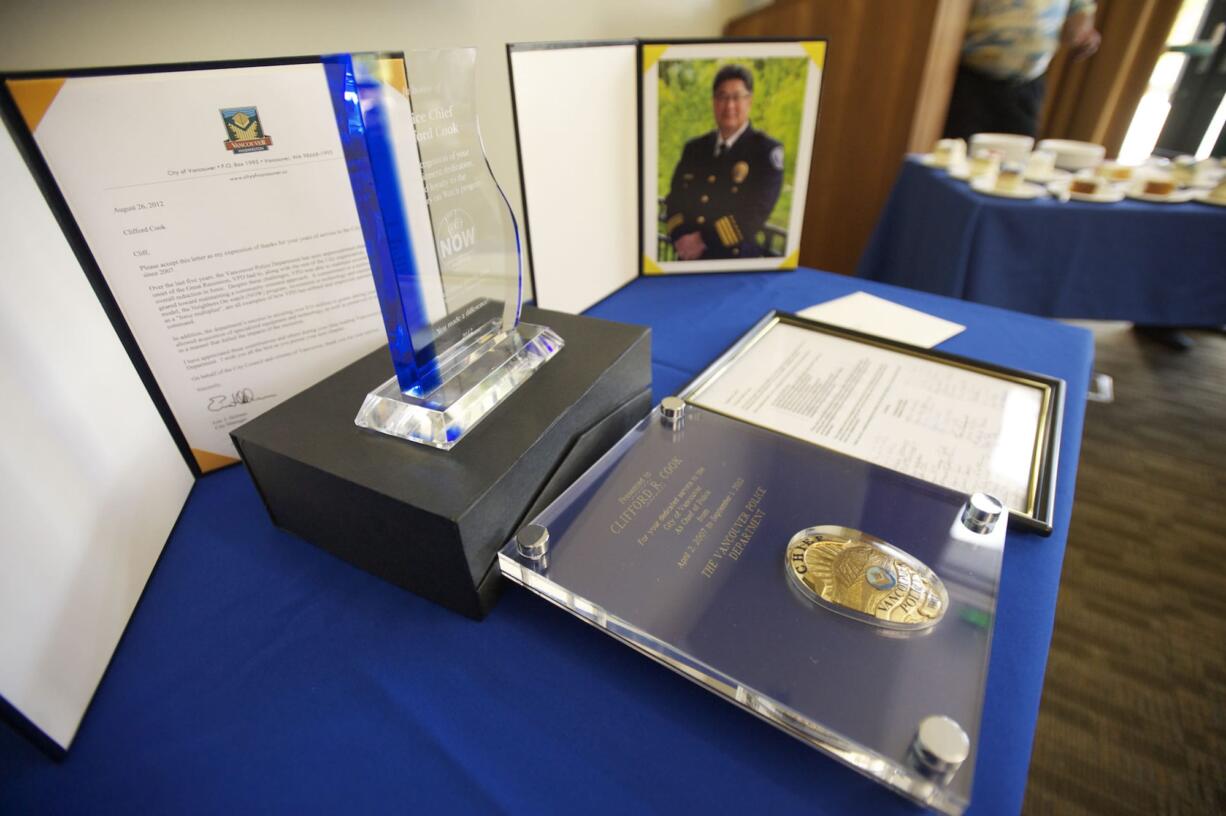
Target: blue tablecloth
x=261 y=674
x=1161 y=264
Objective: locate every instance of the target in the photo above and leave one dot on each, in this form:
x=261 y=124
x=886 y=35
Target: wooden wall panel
x=889 y=71
x=1094 y=100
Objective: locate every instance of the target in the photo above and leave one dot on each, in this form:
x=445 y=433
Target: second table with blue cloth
x=1150 y=263
x=259 y=673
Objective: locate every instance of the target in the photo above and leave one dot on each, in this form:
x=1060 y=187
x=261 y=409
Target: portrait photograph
x=728 y=133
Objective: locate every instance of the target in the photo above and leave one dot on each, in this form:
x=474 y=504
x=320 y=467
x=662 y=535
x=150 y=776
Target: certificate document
x=217 y=204
x=961 y=427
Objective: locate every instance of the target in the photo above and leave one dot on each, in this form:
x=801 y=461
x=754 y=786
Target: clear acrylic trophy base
x=472 y=383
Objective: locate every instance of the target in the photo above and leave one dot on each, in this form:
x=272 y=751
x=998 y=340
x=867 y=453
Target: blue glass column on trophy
x=442 y=242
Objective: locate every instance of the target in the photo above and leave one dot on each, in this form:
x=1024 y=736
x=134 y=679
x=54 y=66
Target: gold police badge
x=863 y=577
x=740 y=171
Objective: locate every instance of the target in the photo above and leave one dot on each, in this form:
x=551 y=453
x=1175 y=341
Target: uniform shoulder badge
x=777 y=157
x=863 y=577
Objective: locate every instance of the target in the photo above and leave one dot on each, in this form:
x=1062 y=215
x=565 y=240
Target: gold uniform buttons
x=734 y=188
x=736 y=250
x=705 y=199
x=710 y=179
x=702 y=219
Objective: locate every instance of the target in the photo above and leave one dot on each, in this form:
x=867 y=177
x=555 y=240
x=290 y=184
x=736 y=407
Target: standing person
x=1008 y=46
x=727 y=181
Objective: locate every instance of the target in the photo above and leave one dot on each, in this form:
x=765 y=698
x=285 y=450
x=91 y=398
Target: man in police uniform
x=727 y=181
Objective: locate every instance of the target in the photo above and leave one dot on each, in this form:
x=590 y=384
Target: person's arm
x=1079 y=34
x=677 y=224
x=686 y=236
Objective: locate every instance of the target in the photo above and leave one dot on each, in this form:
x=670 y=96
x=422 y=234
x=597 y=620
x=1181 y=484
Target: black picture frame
x=1039 y=514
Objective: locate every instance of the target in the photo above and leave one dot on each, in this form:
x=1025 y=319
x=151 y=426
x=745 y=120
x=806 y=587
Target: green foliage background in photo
x=685 y=112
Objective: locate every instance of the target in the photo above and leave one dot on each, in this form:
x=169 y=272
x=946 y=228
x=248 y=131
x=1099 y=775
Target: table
x=1158 y=264
x=261 y=674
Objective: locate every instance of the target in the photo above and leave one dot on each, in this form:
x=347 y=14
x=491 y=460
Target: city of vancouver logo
x=244 y=131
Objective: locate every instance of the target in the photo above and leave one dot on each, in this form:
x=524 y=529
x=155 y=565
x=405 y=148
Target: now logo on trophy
x=457 y=236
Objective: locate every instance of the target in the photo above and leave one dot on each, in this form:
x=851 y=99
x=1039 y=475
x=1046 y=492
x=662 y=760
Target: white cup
x=1010 y=177
x=1183 y=171
x=1011 y=146
x=984 y=164
x=1114 y=171
x=1073 y=155
x=1041 y=165
x=949 y=152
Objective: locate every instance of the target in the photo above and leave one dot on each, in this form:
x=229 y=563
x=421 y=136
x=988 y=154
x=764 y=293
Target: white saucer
x=1106 y=195
x=1026 y=191
x=928 y=160
x=1203 y=197
x=1177 y=197
x=1056 y=175
x=961 y=172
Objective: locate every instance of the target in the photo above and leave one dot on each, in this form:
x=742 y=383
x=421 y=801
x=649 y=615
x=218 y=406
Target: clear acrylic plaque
x=442 y=242
x=682 y=542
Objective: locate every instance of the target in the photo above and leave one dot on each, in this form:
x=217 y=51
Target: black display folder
x=593 y=116
x=103 y=466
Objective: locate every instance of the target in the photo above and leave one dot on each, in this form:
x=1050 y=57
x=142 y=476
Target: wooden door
x=890 y=68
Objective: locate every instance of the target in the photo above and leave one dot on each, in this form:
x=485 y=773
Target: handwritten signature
x=220 y=402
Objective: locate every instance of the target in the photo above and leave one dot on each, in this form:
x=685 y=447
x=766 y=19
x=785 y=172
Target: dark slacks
x=981 y=104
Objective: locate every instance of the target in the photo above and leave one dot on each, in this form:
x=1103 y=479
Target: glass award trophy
x=441 y=240
x=845 y=603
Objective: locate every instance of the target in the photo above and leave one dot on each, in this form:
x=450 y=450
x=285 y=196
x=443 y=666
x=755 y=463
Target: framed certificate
x=959 y=423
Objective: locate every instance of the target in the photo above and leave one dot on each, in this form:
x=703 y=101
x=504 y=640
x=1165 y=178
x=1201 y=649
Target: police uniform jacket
x=727 y=198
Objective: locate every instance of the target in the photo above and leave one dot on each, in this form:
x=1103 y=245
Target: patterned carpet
x=1133 y=716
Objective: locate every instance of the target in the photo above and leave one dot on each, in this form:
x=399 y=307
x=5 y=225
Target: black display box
x=432 y=521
